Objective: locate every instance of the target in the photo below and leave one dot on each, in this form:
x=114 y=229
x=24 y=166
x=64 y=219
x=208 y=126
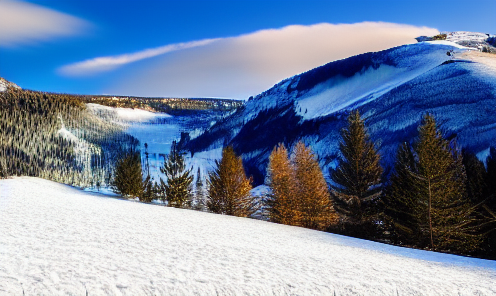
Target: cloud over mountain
x=237 y=67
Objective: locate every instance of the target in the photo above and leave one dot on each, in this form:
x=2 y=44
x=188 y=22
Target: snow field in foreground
x=56 y=240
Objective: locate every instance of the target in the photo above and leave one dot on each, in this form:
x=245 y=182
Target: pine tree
x=400 y=201
x=491 y=177
x=177 y=190
x=148 y=194
x=489 y=207
x=357 y=177
x=199 y=203
x=447 y=218
x=229 y=188
x=435 y=187
x=283 y=204
x=476 y=177
x=128 y=179
x=311 y=189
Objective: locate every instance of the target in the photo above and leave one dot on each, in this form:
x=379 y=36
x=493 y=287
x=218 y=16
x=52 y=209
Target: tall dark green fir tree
x=356 y=180
x=177 y=190
x=400 y=201
x=128 y=178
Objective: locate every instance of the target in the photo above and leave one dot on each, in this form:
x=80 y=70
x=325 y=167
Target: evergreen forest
x=436 y=197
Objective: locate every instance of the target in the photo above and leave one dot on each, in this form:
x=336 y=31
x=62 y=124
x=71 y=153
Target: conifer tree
x=177 y=190
x=476 y=177
x=283 y=203
x=148 y=194
x=400 y=200
x=229 y=188
x=199 y=203
x=128 y=179
x=311 y=189
x=489 y=206
x=357 y=177
x=441 y=176
x=491 y=177
x=435 y=189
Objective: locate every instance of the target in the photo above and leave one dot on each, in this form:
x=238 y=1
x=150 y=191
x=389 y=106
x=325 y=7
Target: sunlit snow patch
x=124 y=115
x=340 y=92
x=56 y=240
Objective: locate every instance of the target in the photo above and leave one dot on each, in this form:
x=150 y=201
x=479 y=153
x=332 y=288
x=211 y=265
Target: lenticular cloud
x=237 y=67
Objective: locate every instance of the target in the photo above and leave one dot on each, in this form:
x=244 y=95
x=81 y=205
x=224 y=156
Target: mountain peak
x=4 y=84
x=481 y=41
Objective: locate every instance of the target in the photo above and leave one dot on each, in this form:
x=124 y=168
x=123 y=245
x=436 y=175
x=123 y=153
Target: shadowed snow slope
x=391 y=88
x=57 y=240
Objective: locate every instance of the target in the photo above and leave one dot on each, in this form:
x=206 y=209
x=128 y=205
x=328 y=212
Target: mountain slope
x=391 y=88
x=57 y=240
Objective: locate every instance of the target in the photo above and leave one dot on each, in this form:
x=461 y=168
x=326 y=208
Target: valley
x=418 y=226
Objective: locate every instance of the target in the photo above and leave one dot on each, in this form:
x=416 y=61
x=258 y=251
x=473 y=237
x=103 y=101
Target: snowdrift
x=57 y=240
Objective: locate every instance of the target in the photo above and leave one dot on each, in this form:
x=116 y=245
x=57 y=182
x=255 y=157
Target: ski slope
x=57 y=240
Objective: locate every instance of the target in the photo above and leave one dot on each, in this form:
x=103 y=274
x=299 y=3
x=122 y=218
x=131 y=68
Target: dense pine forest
x=52 y=136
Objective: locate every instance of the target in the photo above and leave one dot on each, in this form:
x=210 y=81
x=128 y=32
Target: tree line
x=167 y=105
x=437 y=197
x=54 y=137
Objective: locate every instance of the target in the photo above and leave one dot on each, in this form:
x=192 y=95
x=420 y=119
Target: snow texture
x=393 y=89
x=124 y=115
x=4 y=84
x=340 y=92
x=57 y=240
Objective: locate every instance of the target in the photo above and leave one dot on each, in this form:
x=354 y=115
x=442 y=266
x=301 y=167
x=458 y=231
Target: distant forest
x=54 y=136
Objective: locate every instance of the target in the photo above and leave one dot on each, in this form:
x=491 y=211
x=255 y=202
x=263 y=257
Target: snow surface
x=125 y=115
x=341 y=92
x=57 y=240
x=4 y=84
x=143 y=126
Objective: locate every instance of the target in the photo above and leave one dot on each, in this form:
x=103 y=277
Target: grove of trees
x=436 y=197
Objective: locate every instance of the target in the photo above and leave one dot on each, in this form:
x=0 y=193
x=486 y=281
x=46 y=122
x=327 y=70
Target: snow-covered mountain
x=57 y=240
x=4 y=84
x=392 y=89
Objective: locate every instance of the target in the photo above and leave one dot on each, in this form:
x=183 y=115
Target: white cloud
x=25 y=23
x=245 y=65
x=103 y=64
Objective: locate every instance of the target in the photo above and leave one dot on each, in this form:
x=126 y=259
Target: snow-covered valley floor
x=57 y=240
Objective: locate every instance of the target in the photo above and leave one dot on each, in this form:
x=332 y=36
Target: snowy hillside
x=4 y=84
x=392 y=89
x=56 y=240
x=159 y=130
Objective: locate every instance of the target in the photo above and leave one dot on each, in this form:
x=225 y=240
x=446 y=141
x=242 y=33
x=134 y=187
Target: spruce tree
x=400 y=203
x=128 y=179
x=441 y=176
x=177 y=190
x=491 y=177
x=283 y=204
x=357 y=177
x=489 y=206
x=436 y=196
x=313 y=196
x=199 y=203
x=229 y=188
x=476 y=177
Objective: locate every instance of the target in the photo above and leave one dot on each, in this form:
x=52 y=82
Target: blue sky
x=230 y=49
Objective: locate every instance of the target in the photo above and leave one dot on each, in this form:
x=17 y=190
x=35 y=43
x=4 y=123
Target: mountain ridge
x=411 y=80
